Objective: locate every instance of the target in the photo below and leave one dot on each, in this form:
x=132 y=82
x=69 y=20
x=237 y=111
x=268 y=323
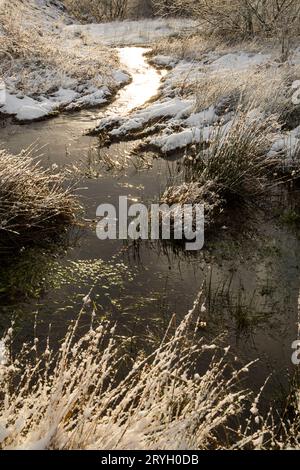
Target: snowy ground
x=174 y=122
x=176 y=111
x=87 y=72
x=142 y=32
x=54 y=74
x=79 y=67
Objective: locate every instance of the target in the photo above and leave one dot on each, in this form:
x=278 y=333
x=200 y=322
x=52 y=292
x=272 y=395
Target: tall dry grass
x=34 y=203
x=37 y=59
x=80 y=397
x=76 y=398
x=229 y=168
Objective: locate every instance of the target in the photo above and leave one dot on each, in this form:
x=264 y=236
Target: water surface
x=251 y=282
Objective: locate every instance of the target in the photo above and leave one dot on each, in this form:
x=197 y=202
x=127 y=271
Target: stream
x=251 y=283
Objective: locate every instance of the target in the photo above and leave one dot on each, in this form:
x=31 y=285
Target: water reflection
x=145 y=80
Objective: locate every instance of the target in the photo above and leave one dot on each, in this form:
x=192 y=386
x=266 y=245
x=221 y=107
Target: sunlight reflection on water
x=145 y=79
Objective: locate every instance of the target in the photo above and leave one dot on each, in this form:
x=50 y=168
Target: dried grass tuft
x=34 y=205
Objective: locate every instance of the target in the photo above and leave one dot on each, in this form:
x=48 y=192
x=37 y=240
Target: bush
x=95 y=10
x=236 y=18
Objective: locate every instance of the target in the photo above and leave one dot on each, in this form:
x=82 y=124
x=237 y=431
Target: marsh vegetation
x=175 y=103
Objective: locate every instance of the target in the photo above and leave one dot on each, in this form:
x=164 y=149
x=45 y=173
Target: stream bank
x=251 y=281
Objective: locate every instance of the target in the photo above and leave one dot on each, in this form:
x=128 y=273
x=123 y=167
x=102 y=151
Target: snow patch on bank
x=173 y=109
x=25 y=108
x=180 y=123
x=130 y=32
x=239 y=61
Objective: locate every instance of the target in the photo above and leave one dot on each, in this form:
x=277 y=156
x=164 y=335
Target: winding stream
x=252 y=284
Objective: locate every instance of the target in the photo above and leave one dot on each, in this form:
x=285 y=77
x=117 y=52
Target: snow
x=179 y=140
x=164 y=61
x=2 y=92
x=182 y=139
x=93 y=97
x=65 y=96
x=239 y=61
x=28 y=109
x=208 y=116
x=129 y=32
x=287 y=143
x=174 y=108
x=53 y=12
x=3 y=353
x=120 y=77
x=180 y=123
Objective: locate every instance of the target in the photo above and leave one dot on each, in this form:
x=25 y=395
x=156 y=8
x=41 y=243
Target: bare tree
x=239 y=17
x=140 y=8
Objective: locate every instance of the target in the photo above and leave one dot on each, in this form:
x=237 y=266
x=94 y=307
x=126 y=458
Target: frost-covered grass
x=228 y=168
x=206 y=85
x=76 y=398
x=236 y=160
x=34 y=205
x=43 y=70
x=80 y=397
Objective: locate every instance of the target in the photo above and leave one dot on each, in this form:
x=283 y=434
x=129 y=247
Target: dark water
x=251 y=279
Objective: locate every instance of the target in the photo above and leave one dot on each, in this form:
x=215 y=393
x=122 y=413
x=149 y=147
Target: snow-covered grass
x=76 y=398
x=81 y=398
x=118 y=33
x=228 y=168
x=205 y=87
x=49 y=64
x=34 y=205
x=43 y=71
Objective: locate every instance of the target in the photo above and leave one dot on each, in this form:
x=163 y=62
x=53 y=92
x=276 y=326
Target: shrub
x=95 y=10
x=236 y=18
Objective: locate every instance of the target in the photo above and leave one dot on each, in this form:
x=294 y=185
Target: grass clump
x=37 y=57
x=236 y=159
x=75 y=399
x=95 y=11
x=34 y=205
x=229 y=173
x=230 y=168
